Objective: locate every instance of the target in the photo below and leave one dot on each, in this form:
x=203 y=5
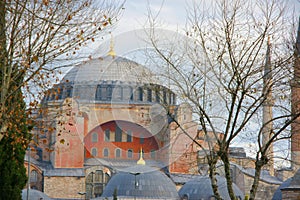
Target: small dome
x=34 y=195
x=277 y=194
x=141 y=182
x=200 y=188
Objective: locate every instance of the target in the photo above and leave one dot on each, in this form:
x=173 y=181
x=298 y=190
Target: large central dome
x=111 y=79
x=109 y=69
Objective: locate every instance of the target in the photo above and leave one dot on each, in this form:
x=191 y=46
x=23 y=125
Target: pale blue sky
x=172 y=13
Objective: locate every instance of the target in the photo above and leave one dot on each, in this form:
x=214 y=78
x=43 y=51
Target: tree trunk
x=3 y=58
x=258 y=166
x=224 y=158
x=212 y=175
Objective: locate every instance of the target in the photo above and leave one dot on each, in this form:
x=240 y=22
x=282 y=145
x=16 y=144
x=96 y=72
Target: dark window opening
x=118 y=153
x=95 y=137
x=109 y=92
x=152 y=154
x=140 y=94
x=142 y=140
x=165 y=97
x=94 y=152
x=103 y=93
x=149 y=95
x=105 y=152
x=98 y=93
x=117 y=93
x=107 y=135
x=69 y=91
x=129 y=153
x=157 y=96
x=118 y=134
x=127 y=93
x=129 y=136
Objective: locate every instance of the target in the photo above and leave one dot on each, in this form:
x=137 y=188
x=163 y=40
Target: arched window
x=95 y=137
x=117 y=93
x=140 y=94
x=118 y=134
x=98 y=93
x=107 y=135
x=157 y=95
x=105 y=152
x=152 y=154
x=69 y=91
x=142 y=140
x=109 y=92
x=129 y=153
x=149 y=95
x=94 y=151
x=127 y=93
x=59 y=93
x=95 y=182
x=129 y=136
x=33 y=176
x=165 y=96
x=118 y=153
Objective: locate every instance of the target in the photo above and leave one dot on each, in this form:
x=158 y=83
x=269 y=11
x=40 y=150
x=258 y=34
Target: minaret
x=267 y=130
x=295 y=87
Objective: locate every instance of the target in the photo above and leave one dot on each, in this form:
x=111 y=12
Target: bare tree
x=38 y=37
x=225 y=72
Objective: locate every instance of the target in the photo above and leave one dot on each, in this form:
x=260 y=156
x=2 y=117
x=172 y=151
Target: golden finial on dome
x=111 y=52
x=141 y=161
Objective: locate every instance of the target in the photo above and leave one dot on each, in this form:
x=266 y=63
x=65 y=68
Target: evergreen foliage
x=12 y=151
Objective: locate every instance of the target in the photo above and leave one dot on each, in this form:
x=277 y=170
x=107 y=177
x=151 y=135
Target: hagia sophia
x=111 y=128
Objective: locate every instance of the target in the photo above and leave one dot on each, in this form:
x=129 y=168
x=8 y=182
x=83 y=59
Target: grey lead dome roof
x=200 y=188
x=109 y=69
x=141 y=182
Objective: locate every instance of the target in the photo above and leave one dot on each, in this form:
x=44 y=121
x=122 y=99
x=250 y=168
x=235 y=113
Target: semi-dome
x=114 y=80
x=141 y=182
x=200 y=188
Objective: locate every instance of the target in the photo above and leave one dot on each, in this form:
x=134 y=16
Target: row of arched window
x=118 y=153
x=147 y=93
x=116 y=136
x=108 y=92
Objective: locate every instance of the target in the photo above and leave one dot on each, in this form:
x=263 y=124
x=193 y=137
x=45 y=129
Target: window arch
x=33 y=176
x=95 y=183
x=118 y=93
x=107 y=135
x=129 y=153
x=95 y=137
x=140 y=94
x=142 y=139
x=118 y=153
x=152 y=153
x=118 y=134
x=149 y=95
x=94 y=151
x=105 y=152
x=129 y=136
